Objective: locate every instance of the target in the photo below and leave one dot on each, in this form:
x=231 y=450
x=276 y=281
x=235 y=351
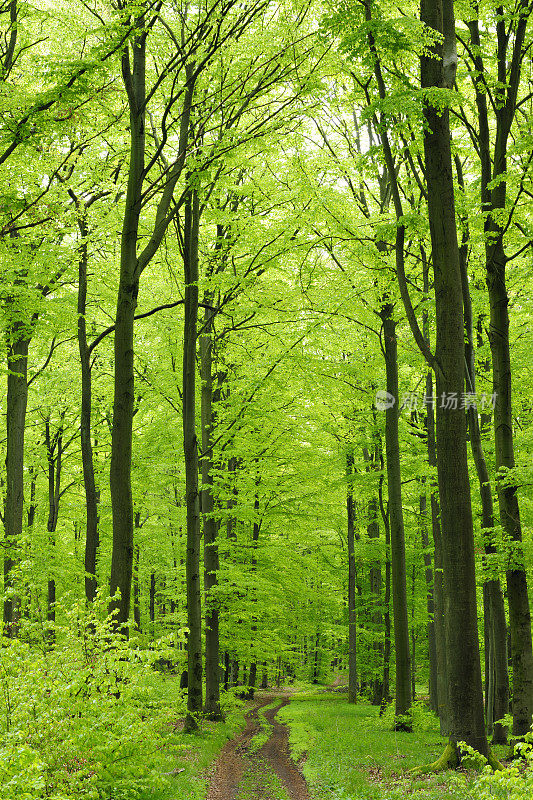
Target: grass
x=352 y=754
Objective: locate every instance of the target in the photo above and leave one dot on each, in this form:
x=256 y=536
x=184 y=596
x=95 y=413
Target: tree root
x=494 y=763
x=450 y=759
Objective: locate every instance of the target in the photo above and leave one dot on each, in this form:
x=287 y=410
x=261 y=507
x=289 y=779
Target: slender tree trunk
x=92 y=495
x=151 y=609
x=386 y=603
x=438 y=581
x=316 y=659
x=413 y=634
x=211 y=559
x=352 y=609
x=493 y=199
x=190 y=449
x=430 y=605
x=136 y=590
x=124 y=379
x=441 y=685
x=17 y=401
x=234 y=679
x=376 y=591
x=252 y=678
x=386 y=623
x=497 y=682
x=498 y=633
x=517 y=592
x=397 y=534
x=465 y=696
x=226 y=671
x=375 y=581
x=54 y=455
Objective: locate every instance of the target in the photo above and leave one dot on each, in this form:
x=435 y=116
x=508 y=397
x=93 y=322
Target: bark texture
x=493 y=200
x=190 y=449
x=17 y=400
x=124 y=381
x=92 y=497
x=210 y=523
x=465 y=696
x=397 y=533
x=352 y=610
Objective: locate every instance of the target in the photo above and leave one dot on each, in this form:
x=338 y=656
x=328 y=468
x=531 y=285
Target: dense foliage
x=219 y=261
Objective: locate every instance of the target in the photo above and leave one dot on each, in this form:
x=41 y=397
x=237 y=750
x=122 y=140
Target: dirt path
x=244 y=772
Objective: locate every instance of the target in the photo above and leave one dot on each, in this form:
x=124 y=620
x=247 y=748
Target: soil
x=243 y=772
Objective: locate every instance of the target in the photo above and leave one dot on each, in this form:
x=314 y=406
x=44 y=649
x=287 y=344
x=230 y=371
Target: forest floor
x=309 y=743
x=257 y=764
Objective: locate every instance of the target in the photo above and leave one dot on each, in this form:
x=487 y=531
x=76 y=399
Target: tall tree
x=190 y=448
x=510 y=50
x=133 y=263
x=352 y=608
x=465 y=698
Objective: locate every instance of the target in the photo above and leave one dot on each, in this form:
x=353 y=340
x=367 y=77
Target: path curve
x=237 y=761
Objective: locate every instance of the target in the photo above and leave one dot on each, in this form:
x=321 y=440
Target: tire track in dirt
x=231 y=764
x=276 y=750
x=237 y=761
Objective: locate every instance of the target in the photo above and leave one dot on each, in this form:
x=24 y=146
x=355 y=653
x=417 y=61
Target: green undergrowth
x=353 y=754
x=88 y=718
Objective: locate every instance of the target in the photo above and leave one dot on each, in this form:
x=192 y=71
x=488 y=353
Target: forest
x=266 y=300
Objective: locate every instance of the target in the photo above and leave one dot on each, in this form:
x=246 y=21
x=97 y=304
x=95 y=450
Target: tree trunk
x=226 y=671
x=17 y=401
x=386 y=603
x=92 y=497
x=316 y=660
x=497 y=683
x=465 y=696
x=493 y=198
x=190 y=449
x=397 y=534
x=54 y=457
x=124 y=379
x=517 y=592
x=413 y=634
x=441 y=685
x=136 y=590
x=438 y=582
x=255 y=538
x=498 y=633
x=151 y=610
x=211 y=559
x=430 y=604
x=252 y=679
x=352 y=610
x=376 y=590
